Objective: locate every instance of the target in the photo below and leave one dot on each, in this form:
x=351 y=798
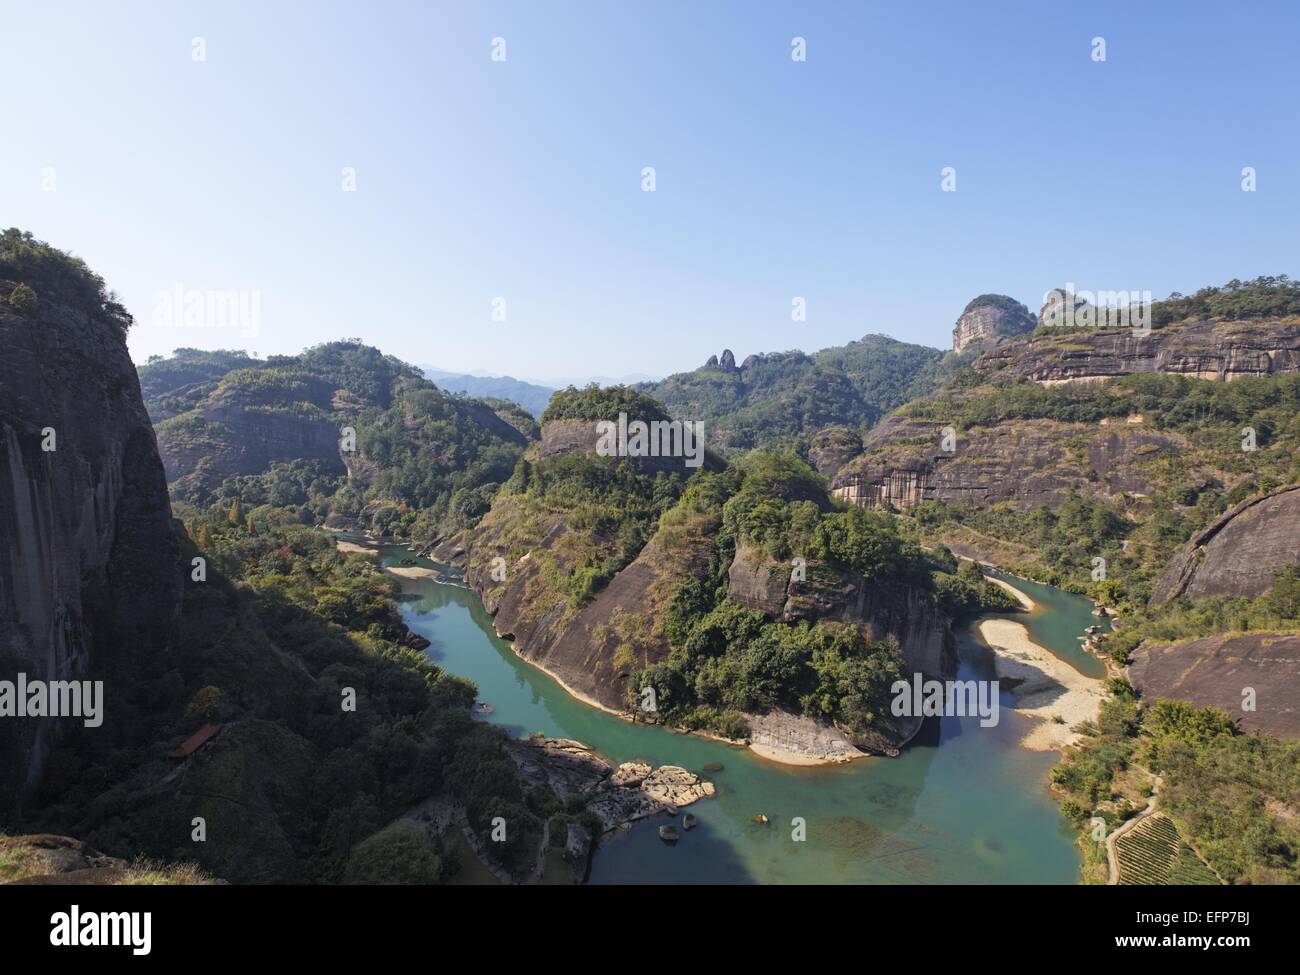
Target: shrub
x=22 y=299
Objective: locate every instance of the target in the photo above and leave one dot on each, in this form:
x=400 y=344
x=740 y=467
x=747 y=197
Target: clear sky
x=522 y=179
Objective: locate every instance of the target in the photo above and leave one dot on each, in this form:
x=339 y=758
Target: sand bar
x=1048 y=687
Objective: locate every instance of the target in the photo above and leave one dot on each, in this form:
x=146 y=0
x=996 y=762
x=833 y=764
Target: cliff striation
x=1237 y=554
x=88 y=561
x=988 y=320
x=1220 y=351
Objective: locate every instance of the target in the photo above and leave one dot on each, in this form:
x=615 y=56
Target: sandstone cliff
x=904 y=614
x=1214 y=671
x=1027 y=463
x=1237 y=554
x=988 y=320
x=514 y=557
x=88 y=562
x=1220 y=351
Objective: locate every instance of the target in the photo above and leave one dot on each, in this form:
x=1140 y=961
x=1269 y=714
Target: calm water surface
x=962 y=804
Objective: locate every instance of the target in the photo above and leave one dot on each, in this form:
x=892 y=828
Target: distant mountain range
x=530 y=395
x=785 y=397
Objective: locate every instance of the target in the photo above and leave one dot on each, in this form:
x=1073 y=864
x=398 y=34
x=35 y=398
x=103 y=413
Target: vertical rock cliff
x=88 y=561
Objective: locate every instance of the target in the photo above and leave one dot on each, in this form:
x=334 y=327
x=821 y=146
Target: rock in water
x=668 y=834
x=630 y=775
x=675 y=786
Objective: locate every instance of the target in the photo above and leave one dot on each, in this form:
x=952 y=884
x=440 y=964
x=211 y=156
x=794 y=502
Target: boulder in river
x=630 y=775
x=675 y=786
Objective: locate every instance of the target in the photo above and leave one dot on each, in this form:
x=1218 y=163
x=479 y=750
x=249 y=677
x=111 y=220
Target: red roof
x=194 y=741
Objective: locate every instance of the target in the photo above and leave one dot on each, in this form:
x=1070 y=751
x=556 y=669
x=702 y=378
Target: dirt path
x=1112 y=858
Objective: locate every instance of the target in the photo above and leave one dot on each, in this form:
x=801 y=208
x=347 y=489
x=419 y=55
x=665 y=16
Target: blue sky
x=522 y=180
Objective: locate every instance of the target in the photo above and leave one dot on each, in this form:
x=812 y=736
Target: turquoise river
x=962 y=804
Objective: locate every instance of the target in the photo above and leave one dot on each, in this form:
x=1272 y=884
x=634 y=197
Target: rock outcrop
x=793 y=736
x=1062 y=308
x=1220 y=351
x=832 y=448
x=1027 y=463
x=89 y=566
x=1237 y=554
x=884 y=611
x=988 y=320
x=47 y=858
x=579 y=647
x=1216 y=670
x=618 y=797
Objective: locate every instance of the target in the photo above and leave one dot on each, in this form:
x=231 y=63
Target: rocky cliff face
x=1027 y=463
x=988 y=320
x=1237 y=554
x=1220 y=351
x=905 y=460
x=561 y=437
x=905 y=614
x=832 y=448
x=579 y=647
x=88 y=562
x=1214 y=670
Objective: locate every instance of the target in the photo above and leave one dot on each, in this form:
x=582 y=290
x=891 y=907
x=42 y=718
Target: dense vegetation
x=31 y=269
x=261 y=432
x=594 y=403
x=780 y=400
x=1270 y=296
x=272 y=645
x=178 y=383
x=609 y=508
x=727 y=660
x=1277 y=610
x=1224 y=790
x=1136 y=536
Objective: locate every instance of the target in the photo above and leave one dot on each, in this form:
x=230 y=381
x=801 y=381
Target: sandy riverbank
x=793 y=739
x=1048 y=687
x=414 y=572
x=1025 y=602
x=353 y=547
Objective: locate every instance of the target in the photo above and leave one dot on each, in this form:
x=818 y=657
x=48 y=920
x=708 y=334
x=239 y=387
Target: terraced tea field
x=1153 y=852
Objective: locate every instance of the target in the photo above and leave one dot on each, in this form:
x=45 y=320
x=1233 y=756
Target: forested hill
x=275 y=431
x=784 y=397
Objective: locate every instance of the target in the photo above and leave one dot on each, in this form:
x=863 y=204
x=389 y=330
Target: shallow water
x=962 y=804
